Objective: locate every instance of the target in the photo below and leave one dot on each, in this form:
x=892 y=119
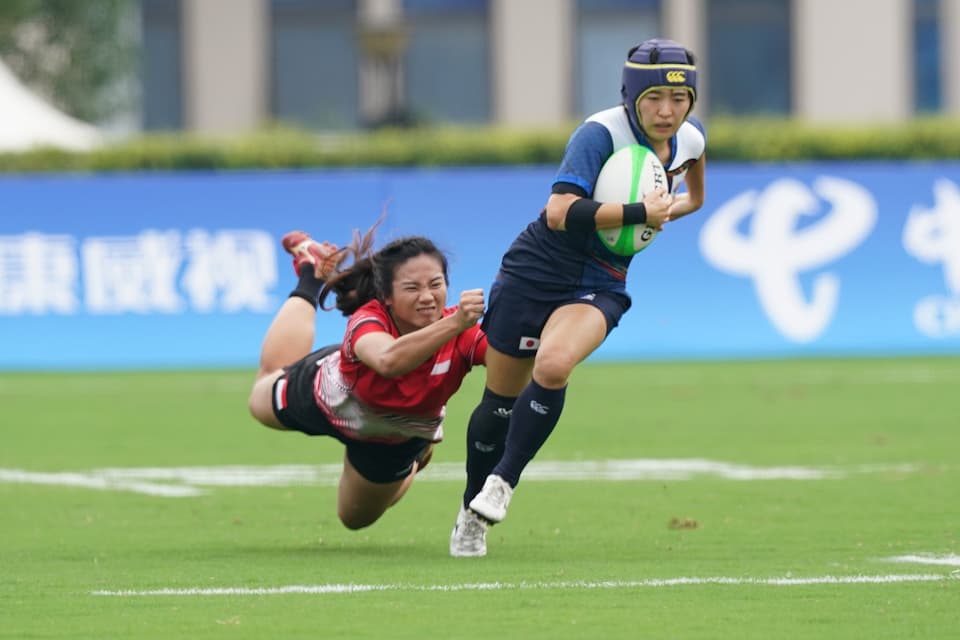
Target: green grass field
x=755 y=500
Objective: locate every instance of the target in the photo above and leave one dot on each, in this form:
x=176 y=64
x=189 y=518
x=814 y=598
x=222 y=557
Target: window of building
x=162 y=76
x=926 y=48
x=447 y=60
x=605 y=32
x=748 y=51
x=314 y=63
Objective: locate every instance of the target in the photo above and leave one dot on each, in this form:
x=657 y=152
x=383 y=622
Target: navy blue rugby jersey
x=551 y=261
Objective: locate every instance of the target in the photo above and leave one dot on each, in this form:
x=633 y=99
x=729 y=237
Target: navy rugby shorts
x=376 y=461
x=515 y=318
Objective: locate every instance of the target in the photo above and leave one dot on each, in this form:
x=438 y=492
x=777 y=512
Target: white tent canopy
x=27 y=121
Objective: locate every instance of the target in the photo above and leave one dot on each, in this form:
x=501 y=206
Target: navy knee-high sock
x=535 y=414
x=486 y=436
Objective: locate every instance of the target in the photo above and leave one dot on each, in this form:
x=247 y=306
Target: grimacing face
x=418 y=294
x=662 y=110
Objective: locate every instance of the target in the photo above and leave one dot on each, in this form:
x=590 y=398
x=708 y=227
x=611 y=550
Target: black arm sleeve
x=582 y=215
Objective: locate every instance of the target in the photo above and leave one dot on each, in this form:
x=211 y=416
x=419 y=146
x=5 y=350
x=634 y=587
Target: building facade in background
x=224 y=66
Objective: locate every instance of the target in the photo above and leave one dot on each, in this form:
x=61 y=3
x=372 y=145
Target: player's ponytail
x=355 y=285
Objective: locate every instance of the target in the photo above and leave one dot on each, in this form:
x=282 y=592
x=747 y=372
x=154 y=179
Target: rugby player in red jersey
x=383 y=389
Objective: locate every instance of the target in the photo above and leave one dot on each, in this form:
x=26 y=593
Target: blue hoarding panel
x=185 y=269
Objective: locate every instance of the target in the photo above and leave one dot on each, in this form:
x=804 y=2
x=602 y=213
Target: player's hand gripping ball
x=626 y=177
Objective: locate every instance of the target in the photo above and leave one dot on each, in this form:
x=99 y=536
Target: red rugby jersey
x=405 y=406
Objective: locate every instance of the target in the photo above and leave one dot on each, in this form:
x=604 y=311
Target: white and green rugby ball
x=626 y=177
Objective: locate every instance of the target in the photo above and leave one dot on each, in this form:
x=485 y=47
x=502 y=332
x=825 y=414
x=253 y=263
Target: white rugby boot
x=492 y=501
x=469 y=536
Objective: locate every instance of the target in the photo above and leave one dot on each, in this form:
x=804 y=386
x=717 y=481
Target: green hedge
x=728 y=139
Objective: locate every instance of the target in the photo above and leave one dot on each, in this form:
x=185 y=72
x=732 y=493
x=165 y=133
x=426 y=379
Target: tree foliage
x=76 y=53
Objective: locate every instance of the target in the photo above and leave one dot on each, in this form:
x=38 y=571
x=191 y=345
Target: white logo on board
x=776 y=249
x=154 y=271
x=932 y=236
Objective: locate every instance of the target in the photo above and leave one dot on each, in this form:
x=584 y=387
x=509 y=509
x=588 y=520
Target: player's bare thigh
x=361 y=502
x=261 y=400
x=507 y=375
x=572 y=333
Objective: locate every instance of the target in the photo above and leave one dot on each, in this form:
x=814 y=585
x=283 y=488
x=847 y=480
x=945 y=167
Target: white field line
x=181 y=482
x=95 y=480
x=949 y=560
x=501 y=586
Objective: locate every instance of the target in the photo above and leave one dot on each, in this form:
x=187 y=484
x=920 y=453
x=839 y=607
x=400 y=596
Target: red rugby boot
x=323 y=256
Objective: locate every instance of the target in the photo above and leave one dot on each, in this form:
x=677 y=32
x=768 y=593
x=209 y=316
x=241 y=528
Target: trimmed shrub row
x=766 y=140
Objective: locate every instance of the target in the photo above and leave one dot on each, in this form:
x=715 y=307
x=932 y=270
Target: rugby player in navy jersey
x=559 y=291
x=382 y=391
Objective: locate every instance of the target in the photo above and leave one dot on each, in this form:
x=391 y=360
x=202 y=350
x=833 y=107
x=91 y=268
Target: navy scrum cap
x=656 y=63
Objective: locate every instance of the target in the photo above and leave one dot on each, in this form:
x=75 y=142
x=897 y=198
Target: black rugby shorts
x=376 y=461
x=514 y=319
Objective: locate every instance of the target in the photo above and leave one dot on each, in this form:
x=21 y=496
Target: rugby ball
x=626 y=177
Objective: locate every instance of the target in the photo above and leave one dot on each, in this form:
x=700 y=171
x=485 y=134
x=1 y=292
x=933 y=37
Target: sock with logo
x=535 y=414
x=486 y=436
x=308 y=287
